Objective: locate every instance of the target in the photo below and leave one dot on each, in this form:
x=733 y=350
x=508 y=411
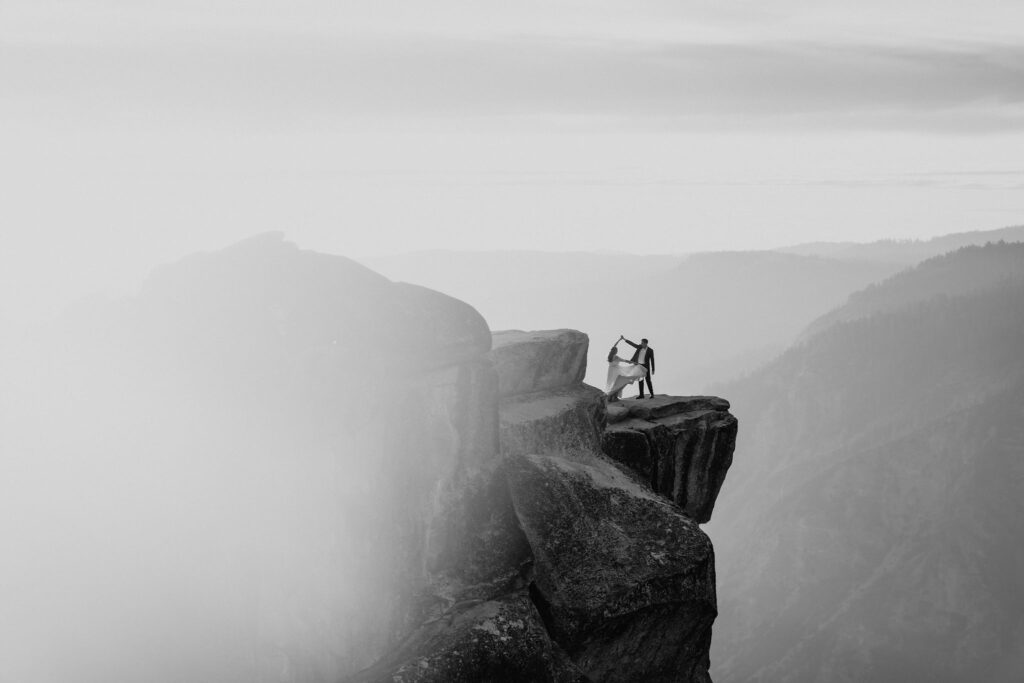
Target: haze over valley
x=871 y=524
x=307 y=314
x=712 y=316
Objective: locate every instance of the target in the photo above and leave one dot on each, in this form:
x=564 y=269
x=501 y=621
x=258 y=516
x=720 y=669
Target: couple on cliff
x=622 y=372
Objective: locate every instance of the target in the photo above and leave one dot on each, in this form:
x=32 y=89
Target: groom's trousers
x=646 y=378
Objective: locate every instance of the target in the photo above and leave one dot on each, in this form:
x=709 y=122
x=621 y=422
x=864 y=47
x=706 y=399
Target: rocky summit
x=575 y=562
x=360 y=482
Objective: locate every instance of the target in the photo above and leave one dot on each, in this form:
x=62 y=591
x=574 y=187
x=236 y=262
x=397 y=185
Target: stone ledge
x=566 y=420
x=663 y=406
x=543 y=360
x=682 y=446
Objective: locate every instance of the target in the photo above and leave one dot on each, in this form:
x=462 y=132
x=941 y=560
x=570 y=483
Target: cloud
x=275 y=80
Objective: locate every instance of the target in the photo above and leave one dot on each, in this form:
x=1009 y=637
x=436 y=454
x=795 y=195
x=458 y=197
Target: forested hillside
x=870 y=527
x=968 y=269
x=906 y=252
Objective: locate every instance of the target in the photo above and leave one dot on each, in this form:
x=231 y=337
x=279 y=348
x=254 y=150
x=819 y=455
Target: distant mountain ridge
x=460 y=273
x=712 y=316
x=705 y=313
x=969 y=269
x=905 y=252
x=870 y=527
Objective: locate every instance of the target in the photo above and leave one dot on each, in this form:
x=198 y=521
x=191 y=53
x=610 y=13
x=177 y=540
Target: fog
x=204 y=482
x=134 y=134
x=711 y=317
x=206 y=473
x=222 y=477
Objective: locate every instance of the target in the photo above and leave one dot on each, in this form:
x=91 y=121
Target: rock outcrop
x=625 y=581
x=681 y=446
x=313 y=442
x=573 y=568
x=352 y=485
x=481 y=621
x=500 y=639
x=567 y=419
x=527 y=362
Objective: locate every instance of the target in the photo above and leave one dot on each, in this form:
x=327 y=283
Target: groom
x=644 y=355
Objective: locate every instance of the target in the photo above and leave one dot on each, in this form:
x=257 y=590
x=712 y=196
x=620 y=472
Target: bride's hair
x=614 y=352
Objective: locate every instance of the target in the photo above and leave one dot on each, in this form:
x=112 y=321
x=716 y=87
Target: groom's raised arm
x=635 y=346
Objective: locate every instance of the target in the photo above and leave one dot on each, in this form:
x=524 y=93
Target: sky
x=133 y=133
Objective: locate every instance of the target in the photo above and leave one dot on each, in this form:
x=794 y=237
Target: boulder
x=502 y=640
x=555 y=421
x=624 y=581
x=538 y=361
x=681 y=446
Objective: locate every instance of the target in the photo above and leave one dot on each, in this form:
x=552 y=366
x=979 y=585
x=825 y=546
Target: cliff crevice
x=682 y=446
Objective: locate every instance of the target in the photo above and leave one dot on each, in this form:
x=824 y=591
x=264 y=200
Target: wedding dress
x=621 y=373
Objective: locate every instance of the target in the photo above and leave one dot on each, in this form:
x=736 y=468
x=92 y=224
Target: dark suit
x=648 y=363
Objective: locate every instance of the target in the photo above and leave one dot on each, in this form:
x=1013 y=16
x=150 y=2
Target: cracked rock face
x=555 y=562
x=625 y=581
x=682 y=446
x=451 y=518
x=567 y=419
x=501 y=640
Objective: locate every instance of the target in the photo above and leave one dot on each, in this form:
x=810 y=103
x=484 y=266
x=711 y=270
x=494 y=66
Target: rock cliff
x=573 y=568
x=681 y=446
x=332 y=476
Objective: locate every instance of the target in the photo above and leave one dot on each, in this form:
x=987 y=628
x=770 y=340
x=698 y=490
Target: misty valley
x=273 y=464
x=542 y=341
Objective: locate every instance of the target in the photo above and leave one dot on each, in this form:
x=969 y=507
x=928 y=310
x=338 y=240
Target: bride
x=621 y=373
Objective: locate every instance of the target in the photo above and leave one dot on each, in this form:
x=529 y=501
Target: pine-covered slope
x=870 y=528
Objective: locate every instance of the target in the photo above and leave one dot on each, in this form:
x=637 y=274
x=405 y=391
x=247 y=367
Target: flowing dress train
x=621 y=373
